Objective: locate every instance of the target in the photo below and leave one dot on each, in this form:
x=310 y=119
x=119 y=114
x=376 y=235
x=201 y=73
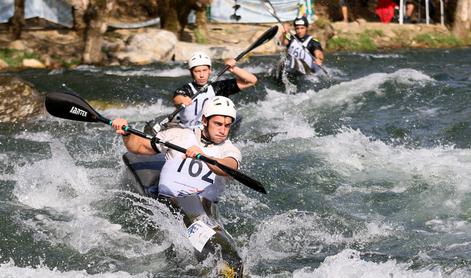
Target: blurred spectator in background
x=344 y=9
x=410 y=6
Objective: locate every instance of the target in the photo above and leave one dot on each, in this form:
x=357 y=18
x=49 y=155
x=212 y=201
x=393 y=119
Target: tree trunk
x=174 y=14
x=17 y=21
x=169 y=16
x=201 y=24
x=79 y=7
x=95 y=17
x=462 y=24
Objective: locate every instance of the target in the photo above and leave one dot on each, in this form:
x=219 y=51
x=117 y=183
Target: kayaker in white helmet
x=301 y=25
x=191 y=186
x=200 y=68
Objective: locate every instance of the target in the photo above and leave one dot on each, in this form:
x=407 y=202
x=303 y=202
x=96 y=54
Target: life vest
x=181 y=176
x=190 y=117
x=299 y=56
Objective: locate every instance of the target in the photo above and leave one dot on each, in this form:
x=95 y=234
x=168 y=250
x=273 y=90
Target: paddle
x=73 y=107
x=272 y=11
x=265 y=37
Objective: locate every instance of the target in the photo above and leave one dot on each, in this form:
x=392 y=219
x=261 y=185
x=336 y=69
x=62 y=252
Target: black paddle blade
x=71 y=107
x=268 y=35
x=242 y=178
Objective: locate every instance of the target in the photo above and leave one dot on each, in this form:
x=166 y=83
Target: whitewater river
x=368 y=172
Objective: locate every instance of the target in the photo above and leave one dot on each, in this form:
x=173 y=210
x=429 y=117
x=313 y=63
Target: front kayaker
x=190 y=185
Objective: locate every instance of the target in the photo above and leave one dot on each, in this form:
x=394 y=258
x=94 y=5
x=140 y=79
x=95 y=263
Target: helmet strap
x=205 y=140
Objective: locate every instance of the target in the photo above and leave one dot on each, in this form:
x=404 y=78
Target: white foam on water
x=279 y=116
x=428 y=111
x=462 y=246
x=351 y=92
x=303 y=234
x=241 y=208
x=313 y=78
x=9 y=270
x=286 y=115
x=174 y=72
x=328 y=73
x=56 y=72
x=449 y=226
x=40 y=136
x=234 y=193
x=89 y=68
x=256 y=69
x=177 y=71
x=380 y=56
x=439 y=177
x=173 y=228
x=30 y=181
x=335 y=73
x=139 y=112
x=144 y=71
x=349 y=264
x=361 y=158
x=68 y=194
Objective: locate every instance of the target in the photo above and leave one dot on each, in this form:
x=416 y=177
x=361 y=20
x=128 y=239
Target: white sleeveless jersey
x=297 y=51
x=182 y=176
x=190 y=117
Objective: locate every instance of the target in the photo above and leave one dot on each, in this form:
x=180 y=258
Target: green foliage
x=68 y=63
x=14 y=58
x=5 y=55
x=362 y=42
x=438 y=40
x=338 y=43
x=71 y=63
x=321 y=23
x=426 y=39
x=366 y=43
x=30 y=55
x=374 y=33
x=200 y=36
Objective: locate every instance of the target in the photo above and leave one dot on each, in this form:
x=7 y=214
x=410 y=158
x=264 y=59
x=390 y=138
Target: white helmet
x=219 y=106
x=199 y=59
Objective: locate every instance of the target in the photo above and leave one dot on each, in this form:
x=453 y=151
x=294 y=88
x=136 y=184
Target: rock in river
x=19 y=101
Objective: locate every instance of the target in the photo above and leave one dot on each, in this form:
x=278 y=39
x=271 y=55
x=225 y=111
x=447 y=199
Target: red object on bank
x=385 y=10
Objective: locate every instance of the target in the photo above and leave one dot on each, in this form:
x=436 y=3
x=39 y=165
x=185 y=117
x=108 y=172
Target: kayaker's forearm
x=244 y=78
x=138 y=145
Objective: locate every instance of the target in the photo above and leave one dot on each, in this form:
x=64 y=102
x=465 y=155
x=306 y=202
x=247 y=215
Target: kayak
x=146 y=171
x=292 y=74
x=200 y=216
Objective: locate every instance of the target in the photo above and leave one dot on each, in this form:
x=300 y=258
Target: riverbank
x=63 y=48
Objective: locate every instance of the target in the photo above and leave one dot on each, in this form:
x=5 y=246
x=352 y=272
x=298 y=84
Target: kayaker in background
x=296 y=58
x=200 y=69
x=190 y=185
